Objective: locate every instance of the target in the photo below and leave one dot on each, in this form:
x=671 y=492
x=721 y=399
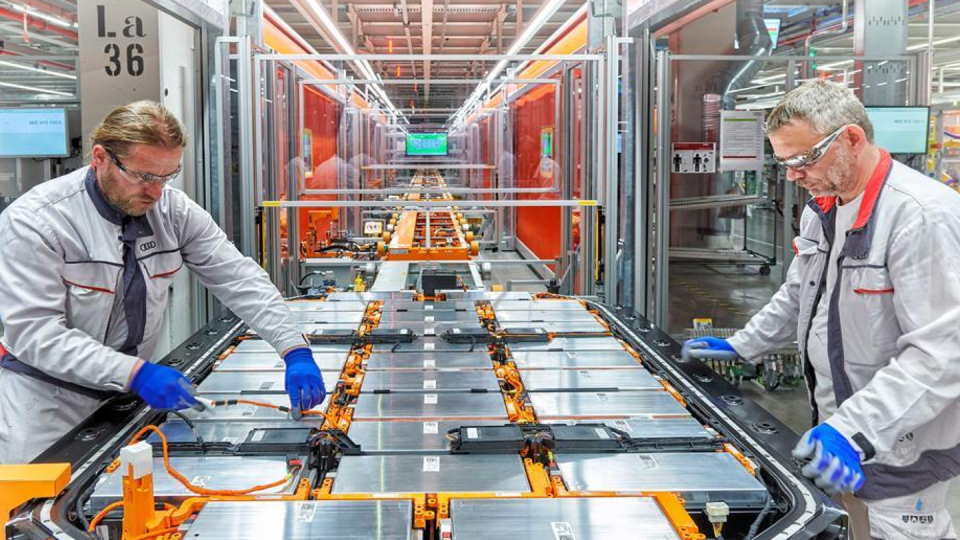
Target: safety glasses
x=812 y=155
x=143 y=178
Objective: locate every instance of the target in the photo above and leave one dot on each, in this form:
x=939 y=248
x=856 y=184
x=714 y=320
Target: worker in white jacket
x=86 y=262
x=873 y=300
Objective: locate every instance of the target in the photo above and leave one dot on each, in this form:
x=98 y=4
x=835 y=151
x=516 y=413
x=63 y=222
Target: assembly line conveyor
x=468 y=415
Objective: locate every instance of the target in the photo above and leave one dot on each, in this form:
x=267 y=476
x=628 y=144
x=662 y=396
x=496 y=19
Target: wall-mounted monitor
x=900 y=130
x=426 y=144
x=34 y=133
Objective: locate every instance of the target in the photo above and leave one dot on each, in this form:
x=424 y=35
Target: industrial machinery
x=458 y=414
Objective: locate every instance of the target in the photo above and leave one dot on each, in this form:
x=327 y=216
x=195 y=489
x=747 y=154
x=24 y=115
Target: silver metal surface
x=255 y=382
x=326 y=307
x=558 y=327
x=605 y=405
x=600 y=518
x=392 y=276
x=699 y=477
x=248 y=413
x=408 y=437
x=495 y=473
x=177 y=431
x=574 y=359
x=369 y=296
x=650 y=428
x=443 y=315
x=430 y=380
x=273 y=362
x=445 y=305
x=602 y=343
x=315 y=329
x=427 y=344
x=428 y=360
x=537 y=305
x=534 y=316
x=492 y=296
x=302 y=520
x=547 y=380
x=487 y=406
x=429 y=328
x=328 y=317
x=211 y=472
x=261 y=346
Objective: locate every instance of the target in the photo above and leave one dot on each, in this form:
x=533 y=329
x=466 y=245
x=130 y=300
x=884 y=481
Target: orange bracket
x=20 y=483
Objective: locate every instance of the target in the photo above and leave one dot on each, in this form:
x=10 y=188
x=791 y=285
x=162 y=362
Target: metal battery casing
x=430 y=406
x=699 y=477
x=210 y=472
x=619 y=359
x=600 y=518
x=580 y=380
x=248 y=413
x=650 y=428
x=273 y=362
x=255 y=382
x=476 y=473
x=430 y=380
x=600 y=343
x=554 y=405
x=409 y=437
x=302 y=520
x=261 y=346
x=386 y=361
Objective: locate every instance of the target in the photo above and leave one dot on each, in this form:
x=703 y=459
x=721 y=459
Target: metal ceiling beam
x=426 y=14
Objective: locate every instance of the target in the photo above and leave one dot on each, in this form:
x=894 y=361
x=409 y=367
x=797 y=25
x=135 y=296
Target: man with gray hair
x=86 y=266
x=872 y=298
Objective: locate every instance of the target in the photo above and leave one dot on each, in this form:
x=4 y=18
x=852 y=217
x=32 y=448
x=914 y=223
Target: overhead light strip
x=35 y=89
x=38 y=70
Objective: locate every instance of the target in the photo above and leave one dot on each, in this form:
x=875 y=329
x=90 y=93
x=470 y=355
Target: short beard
x=124 y=205
x=840 y=177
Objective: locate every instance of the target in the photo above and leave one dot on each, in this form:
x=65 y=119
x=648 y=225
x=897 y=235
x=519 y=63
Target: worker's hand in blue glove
x=303 y=381
x=163 y=387
x=709 y=348
x=834 y=462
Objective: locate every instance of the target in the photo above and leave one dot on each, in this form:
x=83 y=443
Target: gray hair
x=825 y=105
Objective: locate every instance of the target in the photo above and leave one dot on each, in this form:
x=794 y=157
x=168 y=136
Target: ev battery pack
x=556 y=405
x=430 y=380
x=273 y=362
x=601 y=518
x=255 y=382
x=301 y=520
x=651 y=428
x=420 y=316
x=408 y=437
x=312 y=306
x=387 y=361
x=329 y=317
x=601 y=343
x=616 y=359
x=699 y=477
x=210 y=472
x=584 y=380
x=488 y=473
x=261 y=346
x=233 y=433
x=430 y=406
x=535 y=317
x=566 y=327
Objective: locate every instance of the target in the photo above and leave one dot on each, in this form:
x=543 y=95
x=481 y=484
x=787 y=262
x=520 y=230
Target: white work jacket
x=894 y=326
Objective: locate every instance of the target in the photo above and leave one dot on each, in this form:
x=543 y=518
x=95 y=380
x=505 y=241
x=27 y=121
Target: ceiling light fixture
x=38 y=70
x=35 y=89
x=49 y=18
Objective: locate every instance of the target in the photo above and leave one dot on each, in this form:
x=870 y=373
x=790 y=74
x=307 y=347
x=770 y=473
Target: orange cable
x=156 y=533
x=102 y=514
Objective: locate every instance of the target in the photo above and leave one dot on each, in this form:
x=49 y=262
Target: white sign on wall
x=741 y=140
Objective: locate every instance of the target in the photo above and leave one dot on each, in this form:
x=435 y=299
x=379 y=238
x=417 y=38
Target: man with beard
x=85 y=270
x=873 y=299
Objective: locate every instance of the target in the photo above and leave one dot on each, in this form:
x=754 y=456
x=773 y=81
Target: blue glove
x=163 y=387
x=303 y=381
x=710 y=348
x=834 y=463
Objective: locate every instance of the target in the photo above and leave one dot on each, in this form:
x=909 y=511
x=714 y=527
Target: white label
x=456 y=330
x=266 y=385
x=622 y=425
x=248 y=410
x=428 y=346
x=429 y=399
x=431 y=464
x=279 y=365
x=428 y=307
x=429 y=363
x=429 y=331
x=305 y=512
x=473 y=433
x=647 y=462
x=585 y=374
x=429 y=384
x=258 y=436
x=428 y=318
x=562 y=530
x=200 y=481
x=602 y=433
x=431 y=428
x=602 y=397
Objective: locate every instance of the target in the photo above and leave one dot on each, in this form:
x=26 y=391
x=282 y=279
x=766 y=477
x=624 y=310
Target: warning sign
x=694 y=157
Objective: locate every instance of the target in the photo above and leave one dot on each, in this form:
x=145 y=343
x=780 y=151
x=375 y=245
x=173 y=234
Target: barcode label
x=428 y=346
x=429 y=399
x=431 y=428
x=429 y=384
x=429 y=363
x=431 y=464
x=562 y=530
x=473 y=433
x=306 y=511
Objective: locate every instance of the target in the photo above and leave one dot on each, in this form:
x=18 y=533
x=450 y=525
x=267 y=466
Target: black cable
x=190 y=424
x=752 y=532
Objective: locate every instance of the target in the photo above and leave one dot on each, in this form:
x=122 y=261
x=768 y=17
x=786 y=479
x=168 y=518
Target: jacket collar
x=133 y=227
x=858 y=241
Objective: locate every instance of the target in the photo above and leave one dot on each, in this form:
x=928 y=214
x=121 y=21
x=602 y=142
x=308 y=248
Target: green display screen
x=426 y=144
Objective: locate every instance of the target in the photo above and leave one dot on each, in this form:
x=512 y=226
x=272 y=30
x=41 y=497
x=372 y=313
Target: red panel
x=320 y=116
